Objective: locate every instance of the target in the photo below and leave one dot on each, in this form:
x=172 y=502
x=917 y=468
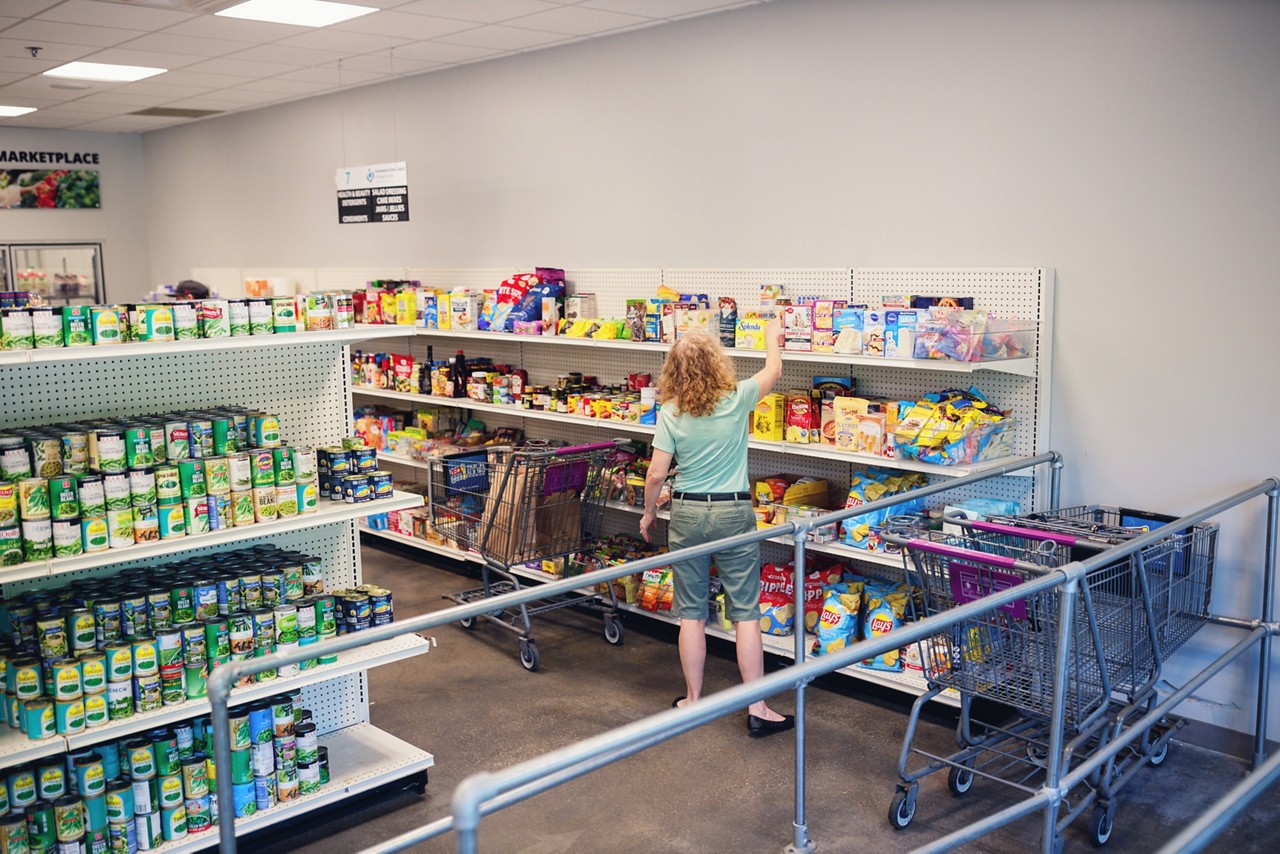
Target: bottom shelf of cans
x=157 y=791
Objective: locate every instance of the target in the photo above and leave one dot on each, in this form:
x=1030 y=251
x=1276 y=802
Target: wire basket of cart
x=1009 y=655
x=529 y=508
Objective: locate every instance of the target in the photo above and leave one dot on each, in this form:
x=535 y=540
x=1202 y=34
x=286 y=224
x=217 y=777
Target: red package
x=777 y=599
x=815 y=586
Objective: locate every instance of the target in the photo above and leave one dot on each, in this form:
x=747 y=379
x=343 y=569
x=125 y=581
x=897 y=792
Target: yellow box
x=444 y=310
x=804 y=492
x=769 y=422
x=749 y=334
x=848 y=412
x=406 y=308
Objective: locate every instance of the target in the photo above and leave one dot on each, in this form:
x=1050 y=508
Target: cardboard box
x=799 y=490
x=824 y=341
x=464 y=310
x=769 y=422
x=444 y=310
x=797 y=328
x=871 y=432
x=873 y=332
x=900 y=333
x=580 y=307
x=749 y=334
x=848 y=412
x=848 y=328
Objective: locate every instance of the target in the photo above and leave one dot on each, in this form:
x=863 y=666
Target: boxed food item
x=848 y=327
x=824 y=341
x=797 y=328
x=550 y=315
x=900 y=333
x=749 y=334
x=848 y=411
x=769 y=424
x=635 y=319
x=464 y=310
x=873 y=332
x=728 y=321
x=580 y=306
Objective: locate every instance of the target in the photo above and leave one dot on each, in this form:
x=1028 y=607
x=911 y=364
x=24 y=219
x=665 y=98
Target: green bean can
x=33 y=498
x=159 y=609
x=217 y=636
x=217 y=475
x=96 y=713
x=13 y=835
x=46 y=455
x=93 y=671
x=75 y=452
x=196 y=515
x=238 y=316
x=67 y=681
x=142 y=486
x=173 y=686
x=272 y=587
x=169 y=647
x=177 y=441
x=172 y=521
x=95 y=536
x=69 y=716
x=293 y=585
x=77 y=331
x=262 y=471
x=107 y=451
x=15 y=462
x=41 y=831
x=120 y=700
x=137 y=446
x=183 y=601
x=51 y=634
x=259 y=317
x=170 y=794
x=148 y=696
x=8 y=504
x=201 y=437
x=225 y=438
x=194 y=677
x=241 y=471
x=283 y=466
x=116 y=491
x=164 y=745
x=108 y=620
x=38 y=719
x=11 y=545
x=146 y=523
x=195 y=649
x=67 y=541
x=64 y=497
x=308 y=777
x=37 y=539
x=215 y=321
x=168 y=484
x=46 y=327
x=191 y=479
x=241 y=508
x=264 y=504
x=120 y=528
x=68 y=818
x=16 y=329
x=91 y=495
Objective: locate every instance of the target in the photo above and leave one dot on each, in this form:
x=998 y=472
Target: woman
x=703 y=427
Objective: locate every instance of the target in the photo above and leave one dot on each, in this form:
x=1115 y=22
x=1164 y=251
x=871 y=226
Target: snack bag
x=815 y=592
x=488 y=309
x=777 y=599
x=838 y=622
x=886 y=608
x=656 y=590
x=728 y=321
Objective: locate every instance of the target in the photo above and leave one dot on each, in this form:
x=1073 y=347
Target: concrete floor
x=471 y=704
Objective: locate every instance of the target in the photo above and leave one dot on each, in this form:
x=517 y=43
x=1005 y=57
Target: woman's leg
x=751 y=663
x=693 y=656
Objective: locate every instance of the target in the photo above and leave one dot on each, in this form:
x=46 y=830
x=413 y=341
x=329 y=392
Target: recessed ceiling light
x=15 y=111
x=104 y=71
x=303 y=13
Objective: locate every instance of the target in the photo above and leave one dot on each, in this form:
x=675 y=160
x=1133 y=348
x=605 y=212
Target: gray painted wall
x=1131 y=145
x=121 y=221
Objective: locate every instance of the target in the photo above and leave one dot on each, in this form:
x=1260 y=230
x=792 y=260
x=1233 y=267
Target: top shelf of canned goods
x=359 y=332
x=1024 y=367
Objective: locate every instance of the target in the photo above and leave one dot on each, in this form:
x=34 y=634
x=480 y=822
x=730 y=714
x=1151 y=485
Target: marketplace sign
x=377 y=193
x=48 y=179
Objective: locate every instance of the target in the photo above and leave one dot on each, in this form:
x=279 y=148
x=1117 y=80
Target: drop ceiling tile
x=503 y=38
x=100 y=14
x=150 y=59
x=129 y=124
x=8 y=22
x=658 y=8
x=480 y=11
x=35 y=120
x=392 y=65
x=172 y=90
x=168 y=42
x=289 y=55
x=235 y=29
x=36 y=32
x=196 y=78
x=126 y=100
x=10 y=77
x=283 y=87
x=42 y=87
x=211 y=102
x=27 y=8
x=241 y=67
x=576 y=21
x=331 y=75
x=738 y=5
x=441 y=52
x=401 y=24
x=245 y=97
x=51 y=53
x=93 y=108
x=344 y=42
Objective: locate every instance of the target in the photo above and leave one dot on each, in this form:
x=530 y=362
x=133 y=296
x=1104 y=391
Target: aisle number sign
x=377 y=193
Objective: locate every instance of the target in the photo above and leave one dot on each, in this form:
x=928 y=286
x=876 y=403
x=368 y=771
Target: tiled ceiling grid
x=230 y=65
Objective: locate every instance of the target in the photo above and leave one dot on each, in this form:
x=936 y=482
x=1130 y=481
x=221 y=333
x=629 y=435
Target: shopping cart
x=522 y=510
x=1124 y=626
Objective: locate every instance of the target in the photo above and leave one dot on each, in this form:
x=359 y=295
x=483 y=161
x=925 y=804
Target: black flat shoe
x=760 y=727
x=675 y=704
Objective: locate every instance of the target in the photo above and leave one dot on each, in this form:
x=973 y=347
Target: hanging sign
x=48 y=179
x=378 y=193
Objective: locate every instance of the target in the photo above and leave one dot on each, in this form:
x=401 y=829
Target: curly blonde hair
x=697 y=374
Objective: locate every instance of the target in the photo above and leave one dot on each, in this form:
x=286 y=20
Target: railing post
x=1055 y=482
x=1264 y=648
x=1062 y=658
x=801 y=844
x=219 y=690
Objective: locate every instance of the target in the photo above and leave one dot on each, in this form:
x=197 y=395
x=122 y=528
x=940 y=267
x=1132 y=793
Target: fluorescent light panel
x=104 y=71
x=302 y=13
x=10 y=112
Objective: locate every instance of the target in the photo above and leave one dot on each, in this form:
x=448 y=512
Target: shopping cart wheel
x=467 y=622
x=903 y=808
x=613 y=631
x=1156 y=759
x=960 y=780
x=1100 y=824
x=529 y=657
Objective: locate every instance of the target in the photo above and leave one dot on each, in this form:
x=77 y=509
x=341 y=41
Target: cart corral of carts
x=1131 y=616
x=516 y=507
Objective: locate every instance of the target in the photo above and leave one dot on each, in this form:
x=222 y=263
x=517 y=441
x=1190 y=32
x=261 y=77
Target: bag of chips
x=838 y=623
x=815 y=593
x=656 y=590
x=777 y=599
x=886 y=610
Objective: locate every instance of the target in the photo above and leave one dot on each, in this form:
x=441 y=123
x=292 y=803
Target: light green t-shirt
x=710 y=450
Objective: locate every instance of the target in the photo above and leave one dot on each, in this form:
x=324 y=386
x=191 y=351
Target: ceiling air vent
x=175 y=113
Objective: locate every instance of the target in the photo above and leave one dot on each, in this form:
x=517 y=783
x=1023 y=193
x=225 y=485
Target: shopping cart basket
x=1009 y=655
x=518 y=510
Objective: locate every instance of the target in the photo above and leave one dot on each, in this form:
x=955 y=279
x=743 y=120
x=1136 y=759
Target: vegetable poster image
x=60 y=188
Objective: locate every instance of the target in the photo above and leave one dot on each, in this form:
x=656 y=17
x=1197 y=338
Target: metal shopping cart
x=520 y=509
x=1132 y=613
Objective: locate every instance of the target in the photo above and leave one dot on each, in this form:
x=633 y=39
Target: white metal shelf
x=360 y=332
x=423 y=545
x=328 y=512
x=17 y=749
x=826 y=452
x=350 y=661
x=396 y=459
x=361 y=757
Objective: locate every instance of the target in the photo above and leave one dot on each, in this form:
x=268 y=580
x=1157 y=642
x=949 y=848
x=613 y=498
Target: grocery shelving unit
x=1019 y=384
x=304 y=379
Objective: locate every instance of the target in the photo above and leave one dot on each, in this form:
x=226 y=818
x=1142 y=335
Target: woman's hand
x=773 y=330
x=647 y=521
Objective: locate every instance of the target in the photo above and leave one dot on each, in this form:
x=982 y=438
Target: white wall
x=121 y=221
x=1131 y=145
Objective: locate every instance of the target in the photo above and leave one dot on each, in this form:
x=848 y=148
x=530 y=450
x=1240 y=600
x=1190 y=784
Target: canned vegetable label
x=94 y=535
x=284 y=314
x=75 y=453
x=238 y=314
x=93 y=670
x=264 y=504
x=266 y=431
x=33 y=498
x=173 y=522
x=8 y=504
x=64 y=497
x=11 y=546
x=16 y=330
x=283 y=467
x=116 y=491
x=96 y=713
x=186 y=323
x=46 y=455
x=137 y=447
x=92 y=495
x=66 y=537
x=77 y=330
x=214 y=319
x=217 y=475
x=168 y=484
x=142 y=486
x=119 y=700
x=111 y=454
x=52 y=782
x=197 y=515
x=46 y=328
x=259 y=317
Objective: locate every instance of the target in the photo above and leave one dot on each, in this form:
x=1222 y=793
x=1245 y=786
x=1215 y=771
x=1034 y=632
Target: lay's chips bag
x=838 y=623
x=886 y=610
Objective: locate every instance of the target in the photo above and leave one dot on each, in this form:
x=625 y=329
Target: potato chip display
x=838 y=623
x=886 y=610
x=777 y=599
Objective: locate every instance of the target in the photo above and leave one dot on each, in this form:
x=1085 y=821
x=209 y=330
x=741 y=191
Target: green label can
x=304 y=464
x=173 y=522
x=116 y=492
x=15 y=462
x=225 y=438
x=37 y=539
x=183 y=599
x=307 y=497
x=217 y=637
x=259 y=317
x=241 y=766
x=266 y=431
x=170 y=794
x=282 y=717
x=262 y=467
x=287 y=501
x=251 y=590
x=46 y=328
x=264 y=504
x=169 y=647
x=120 y=528
x=67 y=683
x=159 y=451
x=8 y=504
x=284 y=314
x=119 y=801
x=77 y=331
x=283 y=468
x=46 y=455
x=38 y=719
x=157 y=324
x=191 y=480
x=217 y=475
x=196 y=515
x=137 y=446
x=108 y=619
x=11 y=546
x=120 y=700
x=51 y=779
x=177 y=441
x=16 y=330
x=308 y=777
x=141 y=758
x=241 y=471
x=51 y=635
x=91 y=494
x=41 y=831
x=119 y=661
x=148 y=831
x=242 y=508
x=93 y=671
x=91 y=775
x=94 y=535
x=214 y=319
x=68 y=818
x=66 y=537
x=159 y=610
x=186 y=321
x=195 y=777
x=195 y=648
x=145 y=656
x=95 y=710
x=199 y=814
x=75 y=452
x=142 y=485
x=148 y=695
x=194 y=676
x=173 y=686
x=165 y=745
x=69 y=716
x=168 y=484
x=173 y=823
x=64 y=497
x=107 y=452
x=104 y=322
x=33 y=498
x=238 y=316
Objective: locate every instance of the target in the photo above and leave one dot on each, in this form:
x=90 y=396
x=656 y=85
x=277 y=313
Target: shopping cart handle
x=963 y=554
x=596 y=446
x=1025 y=533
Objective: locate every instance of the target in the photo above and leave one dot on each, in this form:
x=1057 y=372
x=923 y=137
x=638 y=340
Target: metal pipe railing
x=223 y=679
x=570 y=762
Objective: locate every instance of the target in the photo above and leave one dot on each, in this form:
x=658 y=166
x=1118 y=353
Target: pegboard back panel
x=338 y=703
x=306 y=386
x=612 y=288
x=475 y=278
x=744 y=284
x=1007 y=291
x=354 y=278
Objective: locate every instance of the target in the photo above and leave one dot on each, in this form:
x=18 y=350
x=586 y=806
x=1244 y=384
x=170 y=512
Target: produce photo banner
x=54 y=188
